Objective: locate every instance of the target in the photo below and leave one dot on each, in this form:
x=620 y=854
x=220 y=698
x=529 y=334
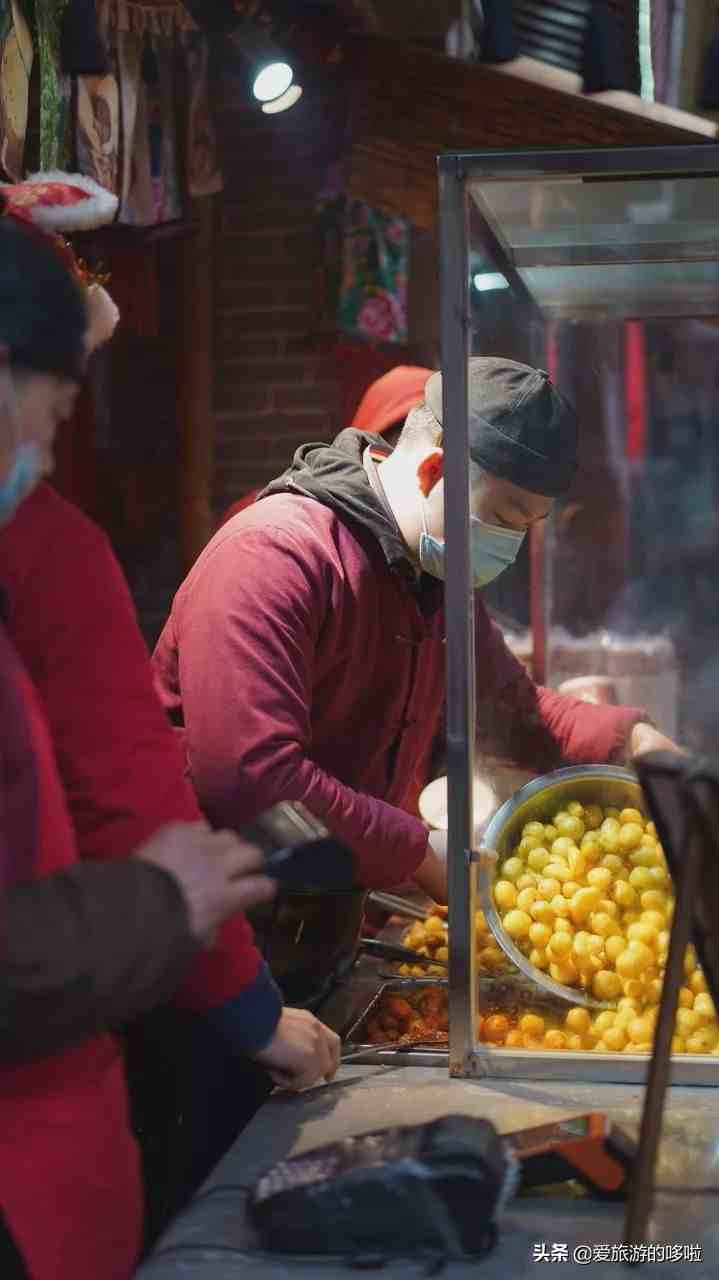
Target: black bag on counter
x=427 y=1191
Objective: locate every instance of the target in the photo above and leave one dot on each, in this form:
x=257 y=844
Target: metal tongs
x=393 y=952
x=427 y=1041
x=397 y=906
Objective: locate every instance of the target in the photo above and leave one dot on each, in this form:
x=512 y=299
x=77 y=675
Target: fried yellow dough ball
x=578 y=1021
x=588 y=898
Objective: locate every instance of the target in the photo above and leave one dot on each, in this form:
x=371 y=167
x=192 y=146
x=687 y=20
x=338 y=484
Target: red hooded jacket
x=306 y=661
x=72 y=619
x=69 y=1171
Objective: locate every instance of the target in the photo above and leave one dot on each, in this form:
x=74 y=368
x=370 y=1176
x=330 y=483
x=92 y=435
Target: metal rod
x=537 y=602
x=599 y=164
x=459 y=615
x=397 y=906
x=641 y=1192
x=539 y=569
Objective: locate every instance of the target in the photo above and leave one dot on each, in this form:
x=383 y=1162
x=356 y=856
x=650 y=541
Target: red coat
x=69 y=1170
x=73 y=622
x=307 y=668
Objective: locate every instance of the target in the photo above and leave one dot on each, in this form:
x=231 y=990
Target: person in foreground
x=82 y=947
x=304 y=654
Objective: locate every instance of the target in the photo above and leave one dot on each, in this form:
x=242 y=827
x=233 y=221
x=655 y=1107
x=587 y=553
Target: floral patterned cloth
x=373 y=298
x=362 y=261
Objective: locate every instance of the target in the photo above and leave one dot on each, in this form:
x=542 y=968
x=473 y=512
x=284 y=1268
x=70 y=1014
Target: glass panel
x=583 y=246
x=633 y=216
x=612 y=286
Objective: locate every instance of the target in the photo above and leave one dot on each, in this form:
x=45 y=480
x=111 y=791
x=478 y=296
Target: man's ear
x=430 y=471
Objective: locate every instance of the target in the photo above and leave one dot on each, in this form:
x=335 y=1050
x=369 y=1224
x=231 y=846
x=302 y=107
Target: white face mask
x=26 y=471
x=26 y=467
x=493 y=550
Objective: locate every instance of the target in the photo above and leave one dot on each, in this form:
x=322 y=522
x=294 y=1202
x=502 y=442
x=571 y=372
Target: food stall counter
x=213 y=1240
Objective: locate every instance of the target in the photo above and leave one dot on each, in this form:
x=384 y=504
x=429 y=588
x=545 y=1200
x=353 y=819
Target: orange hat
x=387 y=401
x=57 y=202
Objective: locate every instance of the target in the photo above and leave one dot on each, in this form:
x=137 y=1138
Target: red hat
x=387 y=401
x=59 y=202
x=55 y=203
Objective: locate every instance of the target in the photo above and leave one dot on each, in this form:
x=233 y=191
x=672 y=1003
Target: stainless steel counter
x=212 y=1240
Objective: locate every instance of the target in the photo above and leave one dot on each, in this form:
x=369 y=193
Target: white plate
x=433 y=803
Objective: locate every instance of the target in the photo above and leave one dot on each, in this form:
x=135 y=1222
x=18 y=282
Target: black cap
x=43 y=313
x=520 y=427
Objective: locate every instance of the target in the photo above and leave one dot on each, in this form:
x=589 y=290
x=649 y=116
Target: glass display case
x=601 y=267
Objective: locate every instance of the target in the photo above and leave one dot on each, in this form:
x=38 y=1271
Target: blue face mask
x=26 y=471
x=493 y=550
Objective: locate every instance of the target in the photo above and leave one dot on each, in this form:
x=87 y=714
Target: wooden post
x=195 y=343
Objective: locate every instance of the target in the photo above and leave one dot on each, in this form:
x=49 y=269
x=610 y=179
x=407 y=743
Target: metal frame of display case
x=468 y=1057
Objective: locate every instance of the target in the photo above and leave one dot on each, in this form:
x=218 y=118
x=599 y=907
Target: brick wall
x=272 y=393
x=136 y=454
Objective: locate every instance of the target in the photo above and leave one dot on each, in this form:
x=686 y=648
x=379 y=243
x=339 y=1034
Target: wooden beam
x=195 y=341
x=410 y=104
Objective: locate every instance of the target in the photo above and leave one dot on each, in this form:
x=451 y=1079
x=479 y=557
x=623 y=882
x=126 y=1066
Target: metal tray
x=525 y=1064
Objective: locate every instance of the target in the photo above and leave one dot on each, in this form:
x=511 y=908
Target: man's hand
x=302 y=1051
x=431 y=874
x=645 y=738
x=214 y=870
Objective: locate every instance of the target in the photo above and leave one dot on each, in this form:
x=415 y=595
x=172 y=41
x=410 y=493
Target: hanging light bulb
x=272 y=81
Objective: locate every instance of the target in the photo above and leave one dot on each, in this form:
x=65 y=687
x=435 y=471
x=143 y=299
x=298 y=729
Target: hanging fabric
x=373 y=301
x=16 y=59
x=97 y=130
x=55 y=86
x=136 y=201
x=361 y=259
x=146 y=17
x=202 y=172
x=83 y=51
x=163 y=127
x=168 y=144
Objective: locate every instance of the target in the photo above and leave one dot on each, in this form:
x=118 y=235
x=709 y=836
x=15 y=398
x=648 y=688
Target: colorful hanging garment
x=203 y=174
x=361 y=258
x=55 y=87
x=373 y=301
x=16 y=58
x=147 y=38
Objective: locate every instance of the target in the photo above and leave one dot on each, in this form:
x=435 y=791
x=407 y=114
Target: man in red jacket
x=304 y=653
